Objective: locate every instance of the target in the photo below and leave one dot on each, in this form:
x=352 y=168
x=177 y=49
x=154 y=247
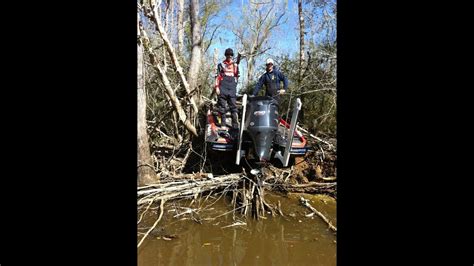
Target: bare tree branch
x=168 y=89
x=172 y=54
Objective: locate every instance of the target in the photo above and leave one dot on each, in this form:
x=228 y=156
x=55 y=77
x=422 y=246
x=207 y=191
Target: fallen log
x=184 y=187
x=307 y=205
x=311 y=184
x=313 y=190
x=311 y=187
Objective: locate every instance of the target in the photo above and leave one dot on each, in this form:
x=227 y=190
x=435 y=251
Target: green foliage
x=317 y=89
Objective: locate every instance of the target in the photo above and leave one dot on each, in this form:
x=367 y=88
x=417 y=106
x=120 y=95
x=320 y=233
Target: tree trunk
x=180 y=26
x=195 y=63
x=250 y=64
x=301 y=18
x=146 y=173
x=172 y=28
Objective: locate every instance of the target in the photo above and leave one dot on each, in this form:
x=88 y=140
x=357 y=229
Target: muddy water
x=290 y=240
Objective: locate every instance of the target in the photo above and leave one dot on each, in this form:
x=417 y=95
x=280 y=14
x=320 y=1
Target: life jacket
x=227 y=75
x=227 y=69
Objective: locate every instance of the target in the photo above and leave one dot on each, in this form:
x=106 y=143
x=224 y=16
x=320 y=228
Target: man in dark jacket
x=271 y=78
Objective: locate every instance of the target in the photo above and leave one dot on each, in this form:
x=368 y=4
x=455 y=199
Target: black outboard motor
x=261 y=123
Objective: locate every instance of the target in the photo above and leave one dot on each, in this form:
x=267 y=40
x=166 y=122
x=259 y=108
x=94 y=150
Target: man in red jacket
x=226 y=87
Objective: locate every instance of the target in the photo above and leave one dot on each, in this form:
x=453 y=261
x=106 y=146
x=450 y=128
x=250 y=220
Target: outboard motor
x=261 y=123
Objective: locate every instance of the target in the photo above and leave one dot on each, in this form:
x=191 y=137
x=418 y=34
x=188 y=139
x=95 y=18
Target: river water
x=207 y=237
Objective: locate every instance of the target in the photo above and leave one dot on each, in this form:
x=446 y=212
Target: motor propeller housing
x=261 y=124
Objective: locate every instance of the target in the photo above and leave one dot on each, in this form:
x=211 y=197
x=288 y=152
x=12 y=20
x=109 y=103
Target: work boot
x=235 y=120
